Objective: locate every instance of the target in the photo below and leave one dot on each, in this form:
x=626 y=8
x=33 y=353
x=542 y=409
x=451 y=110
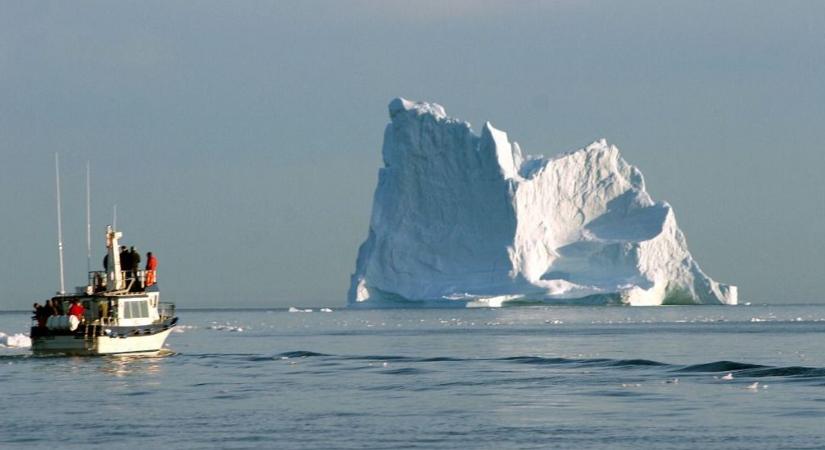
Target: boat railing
x=97 y=280
x=166 y=310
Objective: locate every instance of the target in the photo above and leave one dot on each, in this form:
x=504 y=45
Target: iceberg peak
x=461 y=219
x=400 y=104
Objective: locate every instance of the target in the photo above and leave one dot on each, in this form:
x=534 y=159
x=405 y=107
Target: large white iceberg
x=466 y=220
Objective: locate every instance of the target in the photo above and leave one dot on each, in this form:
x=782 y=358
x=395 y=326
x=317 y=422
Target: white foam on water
x=224 y=327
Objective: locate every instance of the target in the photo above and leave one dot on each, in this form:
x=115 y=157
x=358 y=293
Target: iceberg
x=461 y=219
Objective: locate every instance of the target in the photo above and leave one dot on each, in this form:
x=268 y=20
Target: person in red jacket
x=151 y=267
x=77 y=309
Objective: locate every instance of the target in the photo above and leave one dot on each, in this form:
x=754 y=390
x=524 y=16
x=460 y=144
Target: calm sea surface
x=542 y=377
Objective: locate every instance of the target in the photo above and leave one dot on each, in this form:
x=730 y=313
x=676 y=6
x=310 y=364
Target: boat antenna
x=88 y=219
x=59 y=224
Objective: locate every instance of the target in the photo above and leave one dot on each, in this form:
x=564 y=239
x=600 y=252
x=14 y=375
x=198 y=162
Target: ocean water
x=747 y=377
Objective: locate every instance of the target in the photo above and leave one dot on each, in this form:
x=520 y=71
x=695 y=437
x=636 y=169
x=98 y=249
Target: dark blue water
x=507 y=378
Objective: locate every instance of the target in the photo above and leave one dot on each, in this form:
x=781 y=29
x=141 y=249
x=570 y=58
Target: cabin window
x=135 y=309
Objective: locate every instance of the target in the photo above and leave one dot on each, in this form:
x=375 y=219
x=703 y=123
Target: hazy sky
x=241 y=140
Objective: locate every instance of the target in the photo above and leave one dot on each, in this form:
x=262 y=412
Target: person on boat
x=40 y=314
x=103 y=309
x=134 y=256
x=134 y=268
x=106 y=262
x=77 y=309
x=54 y=308
x=125 y=264
x=151 y=267
x=99 y=281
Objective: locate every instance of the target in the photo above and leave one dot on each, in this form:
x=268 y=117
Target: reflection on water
x=129 y=365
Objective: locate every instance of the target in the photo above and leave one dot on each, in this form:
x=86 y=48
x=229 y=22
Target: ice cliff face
x=460 y=219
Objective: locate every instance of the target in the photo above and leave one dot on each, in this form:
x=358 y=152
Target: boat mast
x=59 y=224
x=88 y=219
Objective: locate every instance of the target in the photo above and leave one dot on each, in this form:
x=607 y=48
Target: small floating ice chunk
x=753 y=386
x=18 y=340
x=293 y=309
x=223 y=327
x=728 y=377
x=325 y=310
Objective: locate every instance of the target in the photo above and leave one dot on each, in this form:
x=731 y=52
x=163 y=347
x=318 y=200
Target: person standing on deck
x=151 y=267
x=134 y=259
x=77 y=309
x=55 y=308
x=51 y=307
x=125 y=265
x=134 y=267
x=76 y=314
x=41 y=314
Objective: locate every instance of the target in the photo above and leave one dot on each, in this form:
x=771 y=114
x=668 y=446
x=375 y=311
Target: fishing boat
x=121 y=310
x=121 y=313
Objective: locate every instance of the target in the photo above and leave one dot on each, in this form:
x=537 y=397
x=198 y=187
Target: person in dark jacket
x=124 y=259
x=134 y=259
x=41 y=314
x=54 y=307
x=134 y=267
x=37 y=314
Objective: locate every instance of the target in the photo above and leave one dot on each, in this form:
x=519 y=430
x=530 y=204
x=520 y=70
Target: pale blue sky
x=241 y=140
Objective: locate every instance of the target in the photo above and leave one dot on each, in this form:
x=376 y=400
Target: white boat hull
x=100 y=345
